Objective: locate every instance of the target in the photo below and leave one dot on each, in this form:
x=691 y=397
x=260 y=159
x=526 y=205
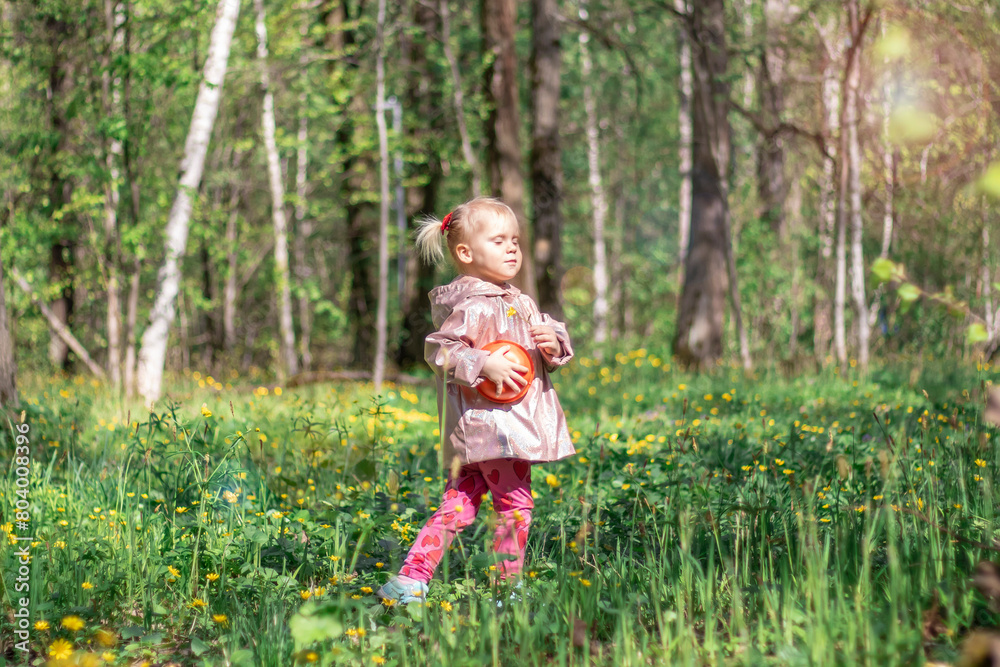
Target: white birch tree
x=381 y=317
x=599 y=202
x=684 y=149
x=289 y=361
x=153 y=352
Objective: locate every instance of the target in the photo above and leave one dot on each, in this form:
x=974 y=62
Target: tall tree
x=303 y=222
x=684 y=145
x=111 y=93
x=546 y=156
x=381 y=319
x=709 y=267
x=458 y=99
x=8 y=365
x=598 y=197
x=152 y=355
x=772 y=187
x=424 y=100
x=289 y=361
x=852 y=103
x=503 y=144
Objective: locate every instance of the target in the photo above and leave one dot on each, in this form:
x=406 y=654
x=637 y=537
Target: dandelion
x=197 y=603
x=212 y=576
x=41 y=625
x=86 y=585
x=367 y=590
x=305 y=594
x=552 y=480
x=73 y=623
x=312 y=656
x=221 y=619
x=205 y=412
x=585 y=582
x=981 y=463
x=446 y=605
x=173 y=570
x=61 y=649
x=378 y=660
x=181 y=510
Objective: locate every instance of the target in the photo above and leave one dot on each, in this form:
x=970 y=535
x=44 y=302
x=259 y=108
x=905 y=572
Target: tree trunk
x=303 y=223
x=382 y=316
x=289 y=361
x=230 y=289
x=502 y=130
x=822 y=332
x=424 y=96
x=152 y=355
x=684 y=148
x=772 y=188
x=698 y=339
x=598 y=199
x=546 y=157
x=115 y=20
x=8 y=365
x=458 y=98
x=852 y=104
x=131 y=318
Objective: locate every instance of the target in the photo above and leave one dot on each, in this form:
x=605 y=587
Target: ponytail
x=429 y=240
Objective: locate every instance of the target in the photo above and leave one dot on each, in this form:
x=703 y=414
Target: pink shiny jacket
x=468 y=313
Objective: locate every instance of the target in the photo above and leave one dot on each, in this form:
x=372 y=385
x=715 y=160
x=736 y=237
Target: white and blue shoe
x=403 y=590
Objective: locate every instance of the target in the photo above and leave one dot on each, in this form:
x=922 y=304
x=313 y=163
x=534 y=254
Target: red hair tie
x=445 y=223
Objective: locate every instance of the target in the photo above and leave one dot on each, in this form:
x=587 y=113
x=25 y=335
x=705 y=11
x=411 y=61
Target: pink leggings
x=509 y=480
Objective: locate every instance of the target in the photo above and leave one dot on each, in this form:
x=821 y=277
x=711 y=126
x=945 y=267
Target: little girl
x=487 y=445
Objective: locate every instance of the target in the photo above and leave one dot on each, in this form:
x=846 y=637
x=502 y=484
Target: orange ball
x=519 y=354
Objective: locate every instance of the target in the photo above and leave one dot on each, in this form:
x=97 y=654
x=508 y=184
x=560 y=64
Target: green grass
x=714 y=519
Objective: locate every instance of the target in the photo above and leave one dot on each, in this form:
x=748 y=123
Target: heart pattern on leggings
x=494 y=476
x=467 y=486
x=431 y=540
x=522 y=469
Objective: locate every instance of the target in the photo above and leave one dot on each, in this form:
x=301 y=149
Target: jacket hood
x=445 y=298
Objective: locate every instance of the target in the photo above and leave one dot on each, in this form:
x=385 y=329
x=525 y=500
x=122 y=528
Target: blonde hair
x=464 y=222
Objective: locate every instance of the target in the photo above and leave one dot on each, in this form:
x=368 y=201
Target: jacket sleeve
x=451 y=352
x=562 y=334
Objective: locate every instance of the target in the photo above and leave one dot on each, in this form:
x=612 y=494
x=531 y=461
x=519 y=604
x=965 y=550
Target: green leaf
x=308 y=627
x=910 y=125
x=977 y=333
x=883 y=269
x=989 y=183
x=909 y=292
x=197 y=646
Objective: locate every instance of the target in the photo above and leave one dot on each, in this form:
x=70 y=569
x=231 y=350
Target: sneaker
x=402 y=591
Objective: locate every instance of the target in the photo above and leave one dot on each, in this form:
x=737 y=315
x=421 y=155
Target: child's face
x=492 y=252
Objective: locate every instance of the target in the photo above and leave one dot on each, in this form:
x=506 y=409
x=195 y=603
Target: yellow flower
x=366 y=590
x=445 y=605
x=212 y=576
x=511 y=312
x=181 y=510
x=86 y=585
x=61 y=649
x=73 y=623
x=108 y=656
x=221 y=619
x=388 y=602
x=312 y=656
x=552 y=480
x=106 y=638
x=305 y=594
x=205 y=412
x=378 y=660
x=41 y=625
x=197 y=603
x=585 y=582
x=173 y=570
x=981 y=463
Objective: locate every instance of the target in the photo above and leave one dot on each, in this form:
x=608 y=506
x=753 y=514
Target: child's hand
x=501 y=371
x=545 y=339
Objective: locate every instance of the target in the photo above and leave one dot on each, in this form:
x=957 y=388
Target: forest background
x=820 y=167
